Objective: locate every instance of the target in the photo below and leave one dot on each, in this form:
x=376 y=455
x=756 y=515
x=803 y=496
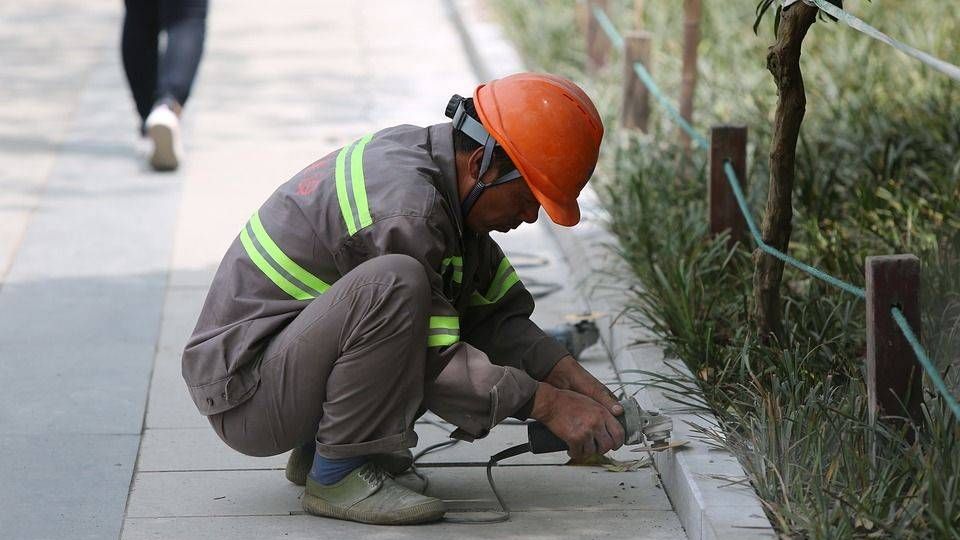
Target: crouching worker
x=366 y=290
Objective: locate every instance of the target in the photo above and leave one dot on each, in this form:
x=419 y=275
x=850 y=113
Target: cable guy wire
x=925 y=360
x=944 y=67
x=742 y=203
x=608 y=28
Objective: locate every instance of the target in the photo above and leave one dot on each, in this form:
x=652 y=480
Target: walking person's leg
x=348 y=372
x=184 y=23
x=138 y=46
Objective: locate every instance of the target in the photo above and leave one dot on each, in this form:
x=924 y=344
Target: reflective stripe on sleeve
x=505 y=278
x=353 y=198
x=276 y=265
x=270 y=271
x=340 y=175
x=281 y=258
x=359 y=184
x=443 y=331
x=457 y=264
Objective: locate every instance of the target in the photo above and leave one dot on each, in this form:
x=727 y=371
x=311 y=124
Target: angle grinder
x=639 y=425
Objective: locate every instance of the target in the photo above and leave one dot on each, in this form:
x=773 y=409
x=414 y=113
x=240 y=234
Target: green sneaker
x=299 y=464
x=369 y=495
x=301 y=460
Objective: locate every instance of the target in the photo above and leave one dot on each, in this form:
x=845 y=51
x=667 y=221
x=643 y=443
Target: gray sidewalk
x=104 y=267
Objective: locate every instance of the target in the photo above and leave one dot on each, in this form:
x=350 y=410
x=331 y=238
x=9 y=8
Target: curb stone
x=698 y=478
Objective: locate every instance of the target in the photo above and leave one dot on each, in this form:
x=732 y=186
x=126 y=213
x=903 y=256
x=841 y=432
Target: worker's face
x=504 y=207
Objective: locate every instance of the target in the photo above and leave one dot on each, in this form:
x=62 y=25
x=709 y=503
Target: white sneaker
x=163 y=127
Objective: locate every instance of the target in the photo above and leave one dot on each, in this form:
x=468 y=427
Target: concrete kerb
x=698 y=478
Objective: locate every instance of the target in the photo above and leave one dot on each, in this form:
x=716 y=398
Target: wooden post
x=727 y=143
x=598 y=44
x=635 y=113
x=688 y=81
x=638 y=15
x=582 y=16
x=894 y=377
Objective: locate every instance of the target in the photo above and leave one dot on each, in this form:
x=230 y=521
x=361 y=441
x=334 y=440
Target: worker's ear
x=476 y=158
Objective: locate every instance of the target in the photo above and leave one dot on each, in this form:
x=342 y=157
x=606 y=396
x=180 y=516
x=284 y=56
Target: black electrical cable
x=504 y=513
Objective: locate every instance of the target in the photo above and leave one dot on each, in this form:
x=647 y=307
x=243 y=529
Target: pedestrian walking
x=366 y=290
x=160 y=80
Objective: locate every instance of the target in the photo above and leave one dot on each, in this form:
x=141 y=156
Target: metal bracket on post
x=635 y=113
x=894 y=378
x=727 y=143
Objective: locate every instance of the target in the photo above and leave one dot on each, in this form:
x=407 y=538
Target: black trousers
x=154 y=76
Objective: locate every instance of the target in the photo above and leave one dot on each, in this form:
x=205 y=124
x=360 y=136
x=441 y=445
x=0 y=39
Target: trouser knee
x=406 y=275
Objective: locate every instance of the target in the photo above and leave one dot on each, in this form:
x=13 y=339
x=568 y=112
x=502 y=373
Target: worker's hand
x=568 y=374
x=585 y=425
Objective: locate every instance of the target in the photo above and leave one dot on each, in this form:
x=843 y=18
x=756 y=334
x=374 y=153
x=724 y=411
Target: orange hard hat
x=550 y=130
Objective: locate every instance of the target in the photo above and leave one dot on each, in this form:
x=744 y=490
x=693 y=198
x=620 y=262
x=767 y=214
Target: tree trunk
x=691 y=40
x=783 y=61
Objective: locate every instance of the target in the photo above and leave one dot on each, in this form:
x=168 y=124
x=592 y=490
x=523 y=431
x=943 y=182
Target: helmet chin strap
x=475 y=130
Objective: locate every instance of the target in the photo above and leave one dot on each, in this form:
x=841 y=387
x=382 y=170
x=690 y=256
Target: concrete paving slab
x=525 y=488
x=212 y=493
x=92 y=310
x=169 y=404
x=35 y=107
x=61 y=389
x=546 y=488
x=197 y=449
x=181 y=308
x=64 y=486
x=638 y=525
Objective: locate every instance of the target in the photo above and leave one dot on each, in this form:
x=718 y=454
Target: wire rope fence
x=892 y=291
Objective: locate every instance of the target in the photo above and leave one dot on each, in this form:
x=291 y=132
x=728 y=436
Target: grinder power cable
x=639 y=425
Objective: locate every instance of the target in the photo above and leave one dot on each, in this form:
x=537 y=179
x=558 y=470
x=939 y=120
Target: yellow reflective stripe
x=500 y=275
x=443 y=331
x=476 y=299
x=505 y=278
x=449 y=323
x=457 y=263
x=270 y=271
x=341 y=177
x=359 y=184
x=441 y=340
x=511 y=280
x=281 y=258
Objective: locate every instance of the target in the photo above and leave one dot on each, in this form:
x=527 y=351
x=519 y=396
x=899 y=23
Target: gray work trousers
x=349 y=373
x=349 y=367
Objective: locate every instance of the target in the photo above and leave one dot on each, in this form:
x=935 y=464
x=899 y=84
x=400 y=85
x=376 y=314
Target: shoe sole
x=422 y=513
x=164 y=156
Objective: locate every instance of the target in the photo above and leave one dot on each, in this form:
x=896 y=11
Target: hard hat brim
x=565 y=213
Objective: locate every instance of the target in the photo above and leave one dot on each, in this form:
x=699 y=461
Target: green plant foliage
x=878 y=172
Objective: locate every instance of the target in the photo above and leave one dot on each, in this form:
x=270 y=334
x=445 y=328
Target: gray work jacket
x=391 y=192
